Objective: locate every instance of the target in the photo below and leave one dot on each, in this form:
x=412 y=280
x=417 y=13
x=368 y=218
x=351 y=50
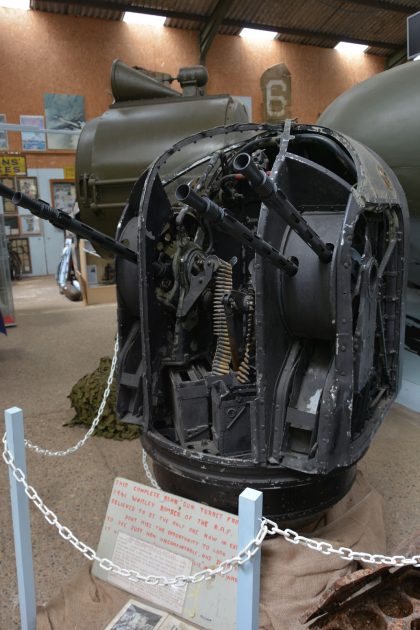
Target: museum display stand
x=95 y=277
x=250 y=514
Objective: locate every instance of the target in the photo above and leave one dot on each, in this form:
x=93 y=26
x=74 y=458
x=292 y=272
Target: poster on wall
x=64 y=112
x=29 y=225
x=11 y=225
x=12 y=165
x=63 y=194
x=21 y=247
x=28 y=186
x=33 y=140
x=4 y=141
x=8 y=206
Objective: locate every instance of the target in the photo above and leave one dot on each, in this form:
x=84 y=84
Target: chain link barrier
x=267 y=528
x=345 y=553
x=82 y=442
x=108 y=565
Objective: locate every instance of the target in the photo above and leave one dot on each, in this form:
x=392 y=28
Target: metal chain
x=267 y=528
x=82 y=442
x=344 y=552
x=148 y=472
x=108 y=565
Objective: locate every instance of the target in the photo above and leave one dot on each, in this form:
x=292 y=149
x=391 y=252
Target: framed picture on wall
x=29 y=225
x=28 y=186
x=64 y=112
x=33 y=140
x=63 y=194
x=4 y=141
x=11 y=225
x=8 y=206
x=21 y=247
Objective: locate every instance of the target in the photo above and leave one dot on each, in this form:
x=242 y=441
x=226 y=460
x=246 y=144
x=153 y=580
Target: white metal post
x=248 y=594
x=21 y=522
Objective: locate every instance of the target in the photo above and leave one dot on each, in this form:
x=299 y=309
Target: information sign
x=11 y=165
x=158 y=533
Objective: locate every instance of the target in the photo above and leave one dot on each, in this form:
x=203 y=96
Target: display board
x=158 y=533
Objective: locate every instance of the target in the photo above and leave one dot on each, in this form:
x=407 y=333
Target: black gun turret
x=64 y=221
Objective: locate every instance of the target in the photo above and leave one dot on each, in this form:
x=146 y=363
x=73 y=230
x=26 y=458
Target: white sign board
x=157 y=533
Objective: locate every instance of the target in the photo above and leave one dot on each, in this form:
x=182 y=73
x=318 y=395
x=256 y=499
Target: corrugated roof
x=81 y=10
x=381 y=23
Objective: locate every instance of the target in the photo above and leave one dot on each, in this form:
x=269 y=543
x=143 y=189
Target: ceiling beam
x=132 y=8
x=209 y=32
x=384 y=5
x=239 y=24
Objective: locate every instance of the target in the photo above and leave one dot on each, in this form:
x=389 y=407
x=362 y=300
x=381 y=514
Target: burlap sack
x=292 y=577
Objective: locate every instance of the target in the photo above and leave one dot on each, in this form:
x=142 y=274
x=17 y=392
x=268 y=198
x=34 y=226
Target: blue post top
x=250 y=494
x=13 y=410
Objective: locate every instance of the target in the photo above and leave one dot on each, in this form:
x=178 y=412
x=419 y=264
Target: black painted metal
x=239 y=374
x=276 y=200
x=225 y=222
x=289 y=497
x=64 y=221
x=293 y=400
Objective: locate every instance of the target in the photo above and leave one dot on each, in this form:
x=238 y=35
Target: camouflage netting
x=85 y=398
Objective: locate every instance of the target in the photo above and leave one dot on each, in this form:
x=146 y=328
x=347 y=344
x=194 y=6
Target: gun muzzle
x=277 y=201
x=64 y=221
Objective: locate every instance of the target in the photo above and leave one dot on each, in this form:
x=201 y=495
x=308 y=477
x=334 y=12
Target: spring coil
x=244 y=370
x=223 y=285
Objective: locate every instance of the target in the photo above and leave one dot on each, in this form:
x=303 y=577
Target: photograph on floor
x=136 y=616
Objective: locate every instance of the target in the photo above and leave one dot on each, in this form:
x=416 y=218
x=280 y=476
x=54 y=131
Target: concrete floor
x=54 y=344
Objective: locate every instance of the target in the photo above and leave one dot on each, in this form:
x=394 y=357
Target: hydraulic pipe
x=276 y=200
x=227 y=223
x=64 y=221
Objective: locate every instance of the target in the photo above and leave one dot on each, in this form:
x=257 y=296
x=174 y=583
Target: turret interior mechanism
x=261 y=329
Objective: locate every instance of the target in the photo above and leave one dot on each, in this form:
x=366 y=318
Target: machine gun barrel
x=227 y=223
x=276 y=200
x=64 y=221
